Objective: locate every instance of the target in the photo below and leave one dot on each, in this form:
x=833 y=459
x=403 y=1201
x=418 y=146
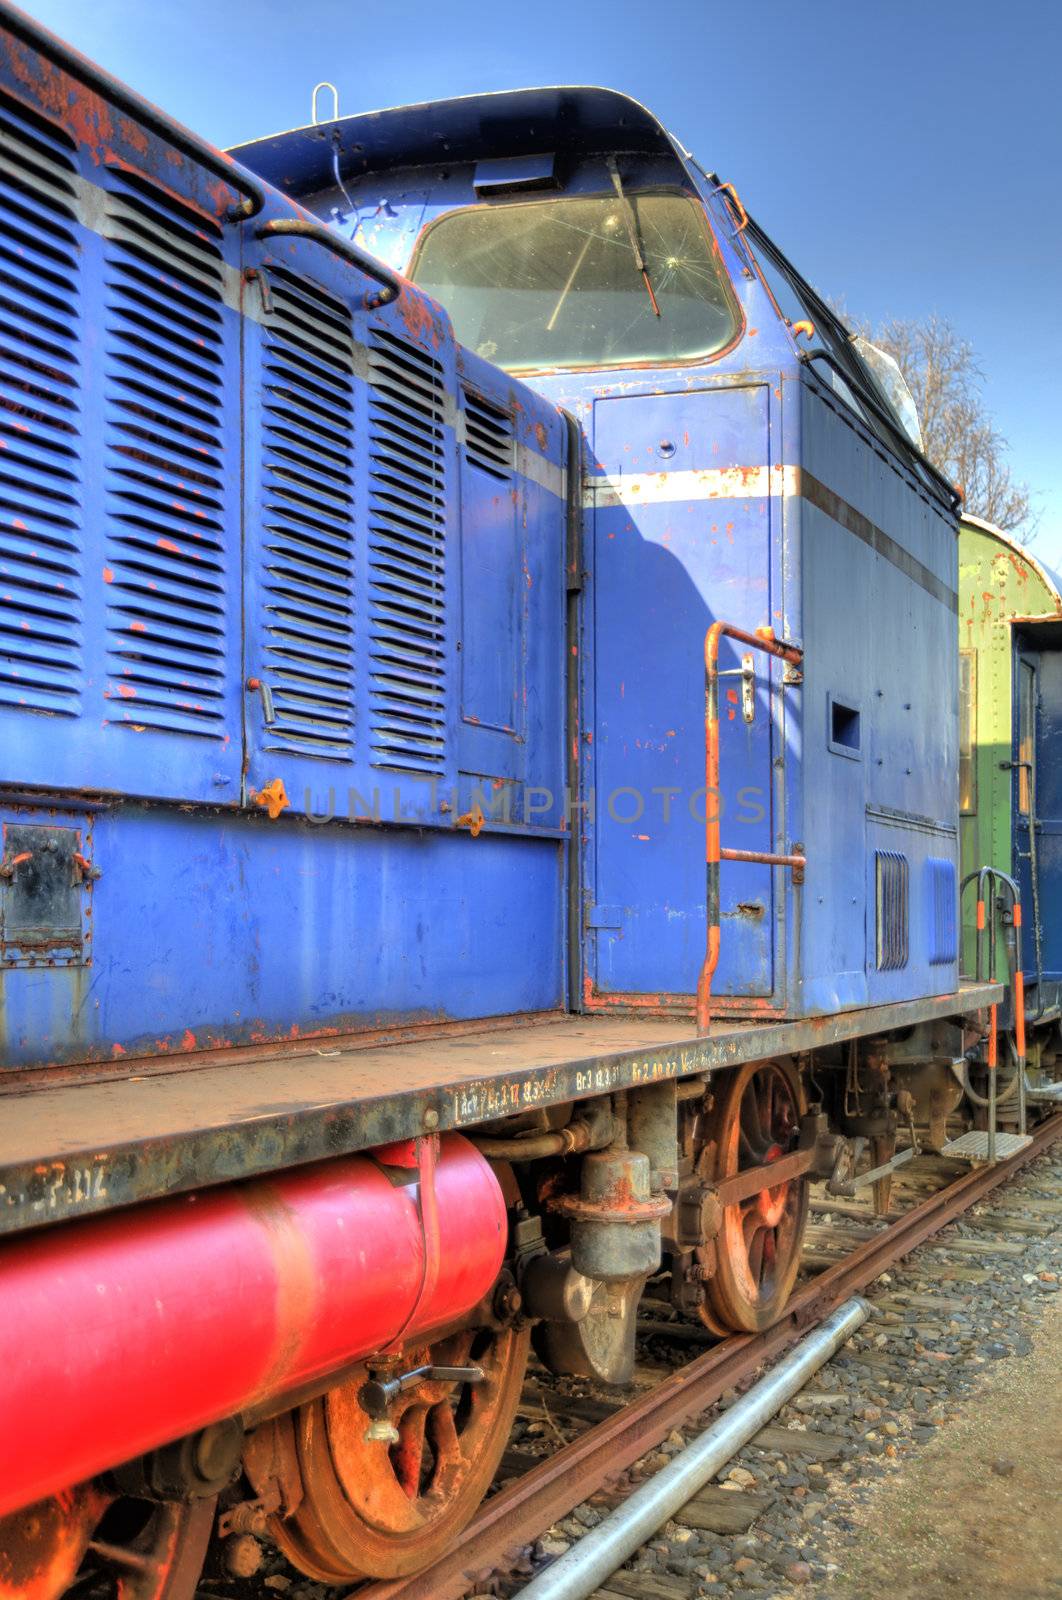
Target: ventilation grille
x=165 y=468
x=940 y=901
x=488 y=436
x=407 y=517
x=892 y=910
x=40 y=419
x=308 y=511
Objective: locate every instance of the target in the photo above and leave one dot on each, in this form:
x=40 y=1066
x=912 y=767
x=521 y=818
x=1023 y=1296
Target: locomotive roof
x=1050 y=579
x=508 y=122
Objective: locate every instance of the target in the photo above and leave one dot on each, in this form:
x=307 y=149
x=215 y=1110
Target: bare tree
x=959 y=435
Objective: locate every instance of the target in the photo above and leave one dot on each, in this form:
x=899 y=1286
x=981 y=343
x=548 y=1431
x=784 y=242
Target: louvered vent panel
x=407 y=557
x=940 y=902
x=40 y=419
x=892 y=910
x=488 y=436
x=308 y=510
x=165 y=463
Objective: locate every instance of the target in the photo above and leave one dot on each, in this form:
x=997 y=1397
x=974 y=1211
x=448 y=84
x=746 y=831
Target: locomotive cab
x=744 y=462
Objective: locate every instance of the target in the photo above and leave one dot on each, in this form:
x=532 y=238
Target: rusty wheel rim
x=755 y=1121
x=374 y=1510
x=103 y=1547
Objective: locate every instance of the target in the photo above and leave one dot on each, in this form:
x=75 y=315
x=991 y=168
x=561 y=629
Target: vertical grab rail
x=762 y=639
x=987 y=907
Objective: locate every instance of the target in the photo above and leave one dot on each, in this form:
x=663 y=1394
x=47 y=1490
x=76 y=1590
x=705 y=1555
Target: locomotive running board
x=71 y=1149
x=973 y=1147
x=1044 y=1093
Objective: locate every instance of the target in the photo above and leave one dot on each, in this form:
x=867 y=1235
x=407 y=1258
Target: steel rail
x=519 y=1513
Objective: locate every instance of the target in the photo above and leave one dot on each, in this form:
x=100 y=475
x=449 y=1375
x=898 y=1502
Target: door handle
x=259 y=686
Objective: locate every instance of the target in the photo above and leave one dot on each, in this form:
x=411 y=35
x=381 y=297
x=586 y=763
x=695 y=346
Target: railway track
x=845 y=1252
x=577 y=1450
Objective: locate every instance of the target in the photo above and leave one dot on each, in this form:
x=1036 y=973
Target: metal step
x=974 y=1146
x=1044 y=1093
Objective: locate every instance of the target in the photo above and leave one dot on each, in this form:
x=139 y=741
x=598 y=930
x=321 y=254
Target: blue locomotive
x=478 y=699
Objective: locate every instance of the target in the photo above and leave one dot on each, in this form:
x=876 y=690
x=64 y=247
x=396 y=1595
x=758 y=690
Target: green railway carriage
x=1010 y=777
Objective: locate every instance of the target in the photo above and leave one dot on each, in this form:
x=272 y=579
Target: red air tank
x=124 y=1332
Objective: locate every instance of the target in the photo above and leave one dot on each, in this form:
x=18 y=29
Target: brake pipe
x=588 y=1564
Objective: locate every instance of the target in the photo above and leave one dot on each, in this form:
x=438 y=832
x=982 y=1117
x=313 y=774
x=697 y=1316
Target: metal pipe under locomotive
x=352 y=693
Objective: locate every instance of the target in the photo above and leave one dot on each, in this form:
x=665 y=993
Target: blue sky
x=907 y=154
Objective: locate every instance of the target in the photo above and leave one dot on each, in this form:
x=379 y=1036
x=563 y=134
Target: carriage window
x=967 y=730
x=557 y=283
x=1026 y=732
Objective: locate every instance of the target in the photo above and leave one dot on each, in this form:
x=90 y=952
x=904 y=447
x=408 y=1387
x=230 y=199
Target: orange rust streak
x=1019 y=1012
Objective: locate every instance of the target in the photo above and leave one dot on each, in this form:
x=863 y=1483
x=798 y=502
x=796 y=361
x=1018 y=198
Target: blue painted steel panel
x=879 y=642
x=205 y=935
x=513 y=463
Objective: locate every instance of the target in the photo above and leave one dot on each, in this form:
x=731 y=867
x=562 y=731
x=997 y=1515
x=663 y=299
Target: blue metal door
x=680 y=539
x=1038 y=809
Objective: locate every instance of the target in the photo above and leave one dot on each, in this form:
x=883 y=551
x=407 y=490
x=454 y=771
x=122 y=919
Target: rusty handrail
x=762 y=639
x=316 y=233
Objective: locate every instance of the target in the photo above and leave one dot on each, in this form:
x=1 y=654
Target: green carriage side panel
x=1000 y=583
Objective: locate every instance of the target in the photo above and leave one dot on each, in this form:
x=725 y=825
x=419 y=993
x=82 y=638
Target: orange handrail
x=989 y=902
x=762 y=639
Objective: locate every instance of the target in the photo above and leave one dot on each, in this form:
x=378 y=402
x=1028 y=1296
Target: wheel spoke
x=444 y=1438
x=408 y=1453
x=768 y=1120
x=756 y=1255
x=749 y=1120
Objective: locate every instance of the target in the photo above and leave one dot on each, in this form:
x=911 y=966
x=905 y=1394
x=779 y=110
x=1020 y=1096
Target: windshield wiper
x=632 y=231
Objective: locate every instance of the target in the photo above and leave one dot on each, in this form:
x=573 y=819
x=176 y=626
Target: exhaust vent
x=308 y=518
x=40 y=419
x=407 y=527
x=891 y=872
x=166 y=389
x=488 y=436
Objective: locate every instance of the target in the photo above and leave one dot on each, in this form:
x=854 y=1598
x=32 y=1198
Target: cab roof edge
x=463 y=128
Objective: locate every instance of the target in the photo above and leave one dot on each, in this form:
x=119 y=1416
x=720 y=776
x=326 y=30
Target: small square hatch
x=45 y=880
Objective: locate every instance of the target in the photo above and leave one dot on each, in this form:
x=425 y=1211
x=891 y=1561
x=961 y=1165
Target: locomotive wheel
x=87 y=1542
x=755 y=1119
x=370 y=1509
